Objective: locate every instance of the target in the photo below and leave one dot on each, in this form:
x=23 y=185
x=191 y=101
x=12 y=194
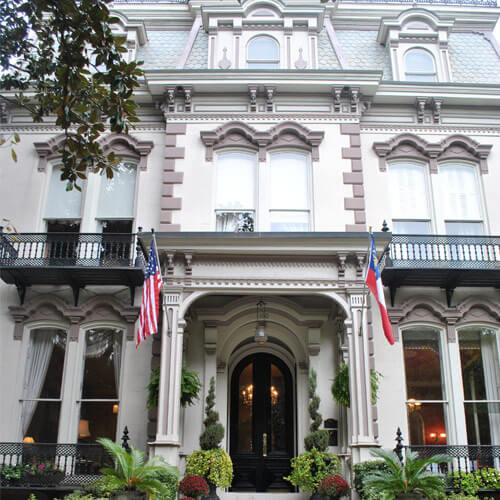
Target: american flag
x=148 y=317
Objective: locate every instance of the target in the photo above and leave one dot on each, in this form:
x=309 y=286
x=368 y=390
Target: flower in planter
x=194 y=486
x=333 y=487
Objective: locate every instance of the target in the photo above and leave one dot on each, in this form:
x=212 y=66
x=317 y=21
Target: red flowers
x=333 y=487
x=194 y=486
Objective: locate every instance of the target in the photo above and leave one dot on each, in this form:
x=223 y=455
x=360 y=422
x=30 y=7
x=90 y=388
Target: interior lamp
x=83 y=429
x=28 y=440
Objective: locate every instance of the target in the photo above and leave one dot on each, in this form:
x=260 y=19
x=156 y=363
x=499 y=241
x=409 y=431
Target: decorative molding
x=456 y=147
x=300 y=63
x=252 y=92
x=240 y=134
x=224 y=63
x=50 y=309
x=121 y=144
x=269 y=98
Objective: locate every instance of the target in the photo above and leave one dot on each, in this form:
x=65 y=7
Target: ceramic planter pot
x=129 y=495
x=212 y=494
x=410 y=496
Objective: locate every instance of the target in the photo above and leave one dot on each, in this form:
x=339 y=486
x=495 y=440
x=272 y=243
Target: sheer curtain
x=489 y=351
x=42 y=345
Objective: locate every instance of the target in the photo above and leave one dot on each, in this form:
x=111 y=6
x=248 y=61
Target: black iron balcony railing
x=77 y=259
x=443 y=261
x=50 y=465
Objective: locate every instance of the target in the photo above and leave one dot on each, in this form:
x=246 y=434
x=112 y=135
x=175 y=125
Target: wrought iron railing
x=444 y=252
x=71 y=249
x=51 y=464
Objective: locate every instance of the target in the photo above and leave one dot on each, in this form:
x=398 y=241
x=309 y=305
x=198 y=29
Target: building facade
x=273 y=135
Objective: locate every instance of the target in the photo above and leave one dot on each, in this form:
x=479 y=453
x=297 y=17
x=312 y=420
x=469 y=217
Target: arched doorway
x=261 y=423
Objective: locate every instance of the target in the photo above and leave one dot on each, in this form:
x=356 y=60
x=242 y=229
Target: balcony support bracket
x=392 y=290
x=132 y=294
x=76 y=293
x=21 y=291
x=449 y=295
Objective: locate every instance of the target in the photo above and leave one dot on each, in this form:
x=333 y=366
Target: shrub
x=213 y=433
x=82 y=495
x=333 y=487
x=361 y=471
x=194 y=486
x=472 y=482
x=459 y=496
x=214 y=465
x=169 y=477
x=316 y=438
x=311 y=467
x=100 y=488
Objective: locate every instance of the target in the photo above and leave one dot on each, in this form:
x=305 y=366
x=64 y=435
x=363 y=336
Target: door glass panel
x=245 y=409
x=278 y=410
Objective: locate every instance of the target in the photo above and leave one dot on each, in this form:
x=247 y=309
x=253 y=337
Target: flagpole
x=364 y=294
x=160 y=301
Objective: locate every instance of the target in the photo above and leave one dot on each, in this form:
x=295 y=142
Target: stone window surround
x=121 y=144
x=420 y=309
x=412 y=147
x=239 y=134
x=52 y=309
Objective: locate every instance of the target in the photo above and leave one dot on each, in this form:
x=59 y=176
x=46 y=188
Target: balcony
x=74 y=259
x=442 y=261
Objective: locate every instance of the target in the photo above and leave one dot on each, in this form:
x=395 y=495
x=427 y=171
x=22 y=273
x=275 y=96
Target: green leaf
x=14 y=155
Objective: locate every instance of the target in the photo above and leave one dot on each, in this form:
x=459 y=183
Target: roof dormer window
x=419 y=66
x=263 y=52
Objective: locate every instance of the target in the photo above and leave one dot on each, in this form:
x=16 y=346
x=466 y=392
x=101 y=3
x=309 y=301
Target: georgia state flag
x=374 y=283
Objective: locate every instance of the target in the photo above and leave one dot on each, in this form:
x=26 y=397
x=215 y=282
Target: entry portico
x=311 y=286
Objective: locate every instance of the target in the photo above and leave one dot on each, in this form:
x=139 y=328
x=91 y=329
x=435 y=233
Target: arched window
x=263 y=52
x=480 y=375
x=459 y=199
x=426 y=403
x=419 y=66
x=289 y=203
x=235 y=191
x=409 y=198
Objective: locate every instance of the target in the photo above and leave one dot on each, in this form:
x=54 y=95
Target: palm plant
x=132 y=473
x=410 y=478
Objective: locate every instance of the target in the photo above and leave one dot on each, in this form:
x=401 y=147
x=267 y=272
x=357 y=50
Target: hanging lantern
x=260 y=330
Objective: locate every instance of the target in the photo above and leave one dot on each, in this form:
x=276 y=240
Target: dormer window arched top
x=263 y=52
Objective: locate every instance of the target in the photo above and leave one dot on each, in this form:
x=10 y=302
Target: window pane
x=408 y=191
x=43 y=378
x=263 y=49
x=464 y=228
x=44 y=425
x=234 y=222
x=426 y=422
x=263 y=65
x=102 y=364
x=289 y=181
x=422 y=364
x=97 y=420
x=118 y=194
x=62 y=204
x=482 y=420
x=278 y=410
x=289 y=221
x=235 y=179
x=458 y=192
x=418 y=61
x=411 y=227
x=245 y=409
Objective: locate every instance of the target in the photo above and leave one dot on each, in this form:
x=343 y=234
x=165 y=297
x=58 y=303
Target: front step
x=251 y=495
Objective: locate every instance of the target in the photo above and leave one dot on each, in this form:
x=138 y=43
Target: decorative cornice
x=412 y=146
x=241 y=134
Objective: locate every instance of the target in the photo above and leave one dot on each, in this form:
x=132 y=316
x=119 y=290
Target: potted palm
x=410 y=480
x=133 y=476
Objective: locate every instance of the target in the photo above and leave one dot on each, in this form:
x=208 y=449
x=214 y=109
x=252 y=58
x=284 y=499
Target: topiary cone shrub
x=213 y=433
x=316 y=438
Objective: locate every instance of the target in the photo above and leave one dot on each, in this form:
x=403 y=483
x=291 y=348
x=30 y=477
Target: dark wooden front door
x=261 y=424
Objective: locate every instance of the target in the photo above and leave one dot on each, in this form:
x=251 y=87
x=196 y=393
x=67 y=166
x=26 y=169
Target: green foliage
x=190 y=388
x=213 y=433
x=310 y=467
x=459 y=496
x=81 y=495
x=316 y=438
x=169 y=477
x=412 y=477
x=340 y=386
x=363 y=469
x=132 y=472
x=214 y=465
x=12 y=472
x=472 y=482
x=100 y=488
x=66 y=56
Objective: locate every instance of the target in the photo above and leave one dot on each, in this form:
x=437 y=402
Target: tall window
x=459 y=200
x=419 y=66
x=235 y=191
x=100 y=387
x=41 y=401
x=426 y=403
x=289 y=192
x=263 y=53
x=409 y=199
x=481 y=381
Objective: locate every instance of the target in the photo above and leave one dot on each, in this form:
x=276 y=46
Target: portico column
x=362 y=437
x=169 y=401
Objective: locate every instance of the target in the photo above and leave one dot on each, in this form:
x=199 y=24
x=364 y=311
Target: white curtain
x=118 y=194
x=62 y=204
x=408 y=191
x=489 y=353
x=42 y=345
x=117 y=360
